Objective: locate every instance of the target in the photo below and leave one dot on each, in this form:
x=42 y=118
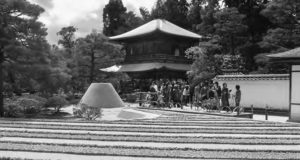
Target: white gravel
x=155 y=145
x=157 y=126
x=56 y=156
x=151 y=134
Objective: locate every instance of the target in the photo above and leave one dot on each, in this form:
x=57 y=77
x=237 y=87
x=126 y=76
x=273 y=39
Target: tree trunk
x=92 y=67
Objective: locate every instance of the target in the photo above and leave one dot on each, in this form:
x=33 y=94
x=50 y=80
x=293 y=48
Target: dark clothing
x=203 y=93
x=238 y=95
x=211 y=94
x=219 y=91
x=225 y=97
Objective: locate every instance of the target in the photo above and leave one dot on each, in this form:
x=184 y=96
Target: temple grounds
x=169 y=135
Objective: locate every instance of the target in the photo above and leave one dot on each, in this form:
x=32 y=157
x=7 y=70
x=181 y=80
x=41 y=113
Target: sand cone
x=102 y=95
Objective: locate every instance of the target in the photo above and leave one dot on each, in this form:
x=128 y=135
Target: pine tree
x=112 y=17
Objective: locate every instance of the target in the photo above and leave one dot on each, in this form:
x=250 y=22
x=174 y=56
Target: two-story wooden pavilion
x=156 y=49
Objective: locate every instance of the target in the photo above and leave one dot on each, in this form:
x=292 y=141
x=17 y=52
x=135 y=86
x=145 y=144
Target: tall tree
x=67 y=38
x=230 y=27
x=19 y=30
x=194 y=14
x=283 y=35
x=209 y=9
x=131 y=21
x=95 y=52
x=145 y=14
x=112 y=17
x=174 y=11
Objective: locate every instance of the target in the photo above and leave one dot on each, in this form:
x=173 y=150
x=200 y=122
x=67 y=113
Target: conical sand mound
x=102 y=95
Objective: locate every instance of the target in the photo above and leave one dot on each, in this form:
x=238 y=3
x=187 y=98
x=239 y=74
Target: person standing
x=225 y=96
x=238 y=95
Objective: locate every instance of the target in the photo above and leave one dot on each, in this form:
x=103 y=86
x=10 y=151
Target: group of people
x=171 y=93
x=217 y=97
x=179 y=93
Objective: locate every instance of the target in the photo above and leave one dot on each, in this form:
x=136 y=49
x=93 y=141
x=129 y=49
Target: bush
x=30 y=106
x=18 y=106
x=57 y=102
x=13 y=110
x=87 y=112
x=131 y=98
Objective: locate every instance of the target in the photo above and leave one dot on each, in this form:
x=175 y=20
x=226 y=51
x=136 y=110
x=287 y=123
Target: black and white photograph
x=149 y=79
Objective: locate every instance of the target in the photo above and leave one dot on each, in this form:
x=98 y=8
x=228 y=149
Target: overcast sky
x=85 y=15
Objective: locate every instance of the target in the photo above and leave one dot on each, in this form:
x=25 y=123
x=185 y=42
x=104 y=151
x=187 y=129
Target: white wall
x=259 y=91
x=295 y=93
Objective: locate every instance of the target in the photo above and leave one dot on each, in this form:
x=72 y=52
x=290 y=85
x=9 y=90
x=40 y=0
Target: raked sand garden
x=150 y=134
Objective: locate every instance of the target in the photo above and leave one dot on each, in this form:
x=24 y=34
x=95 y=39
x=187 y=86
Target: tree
x=174 y=11
x=209 y=9
x=112 y=17
x=96 y=52
x=19 y=31
x=145 y=14
x=194 y=14
x=230 y=27
x=131 y=21
x=282 y=36
x=67 y=38
x=203 y=67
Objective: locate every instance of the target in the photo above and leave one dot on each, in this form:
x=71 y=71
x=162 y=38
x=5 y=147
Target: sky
x=85 y=15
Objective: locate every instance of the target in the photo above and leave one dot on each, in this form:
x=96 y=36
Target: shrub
x=87 y=112
x=18 y=106
x=30 y=106
x=57 y=102
x=131 y=98
x=13 y=110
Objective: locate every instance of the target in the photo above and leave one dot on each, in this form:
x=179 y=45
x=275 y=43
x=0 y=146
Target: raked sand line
x=151 y=123
x=147 y=122
x=292 y=148
x=158 y=126
x=151 y=134
x=55 y=156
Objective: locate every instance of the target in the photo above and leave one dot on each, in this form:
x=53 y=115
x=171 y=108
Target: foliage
x=130 y=98
x=57 y=102
x=203 y=67
x=12 y=110
x=131 y=21
x=95 y=52
x=145 y=14
x=112 y=16
x=67 y=37
x=87 y=112
x=20 y=106
x=174 y=11
x=22 y=41
x=230 y=28
x=208 y=9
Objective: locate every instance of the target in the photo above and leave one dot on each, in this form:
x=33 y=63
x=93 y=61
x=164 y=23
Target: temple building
x=292 y=57
x=156 y=49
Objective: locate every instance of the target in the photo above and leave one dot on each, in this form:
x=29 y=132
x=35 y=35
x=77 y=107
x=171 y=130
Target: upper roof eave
x=157 y=25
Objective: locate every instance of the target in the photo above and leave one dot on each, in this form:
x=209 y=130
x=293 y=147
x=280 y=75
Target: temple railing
x=163 y=58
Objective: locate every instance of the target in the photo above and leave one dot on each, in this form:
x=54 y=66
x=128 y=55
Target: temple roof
x=287 y=56
x=140 y=67
x=161 y=25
